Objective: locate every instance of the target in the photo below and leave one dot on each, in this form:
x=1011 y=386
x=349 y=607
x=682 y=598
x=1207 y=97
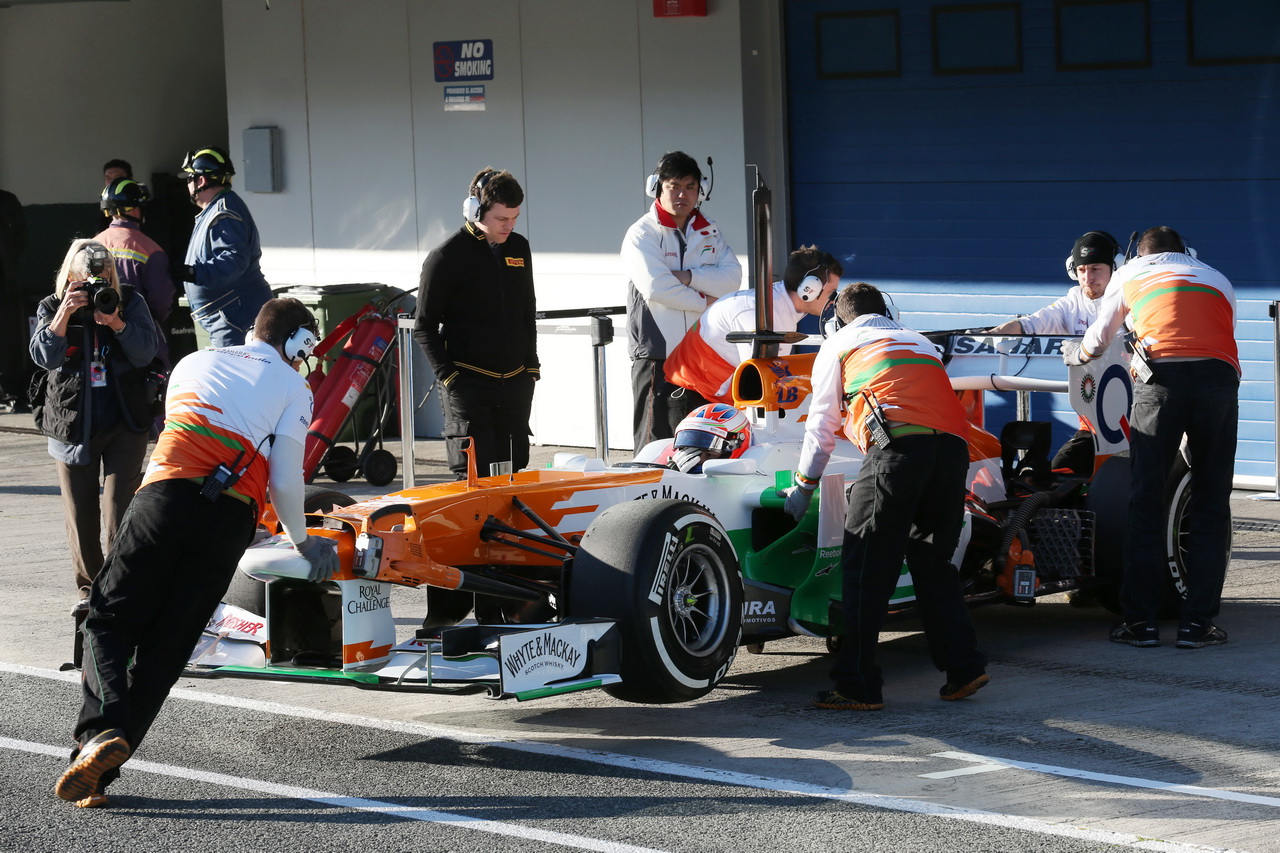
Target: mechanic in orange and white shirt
x=1183 y=314
x=704 y=360
x=908 y=500
x=241 y=411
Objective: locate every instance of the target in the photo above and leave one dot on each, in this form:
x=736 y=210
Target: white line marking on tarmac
x=987 y=762
x=964 y=771
x=355 y=803
x=669 y=768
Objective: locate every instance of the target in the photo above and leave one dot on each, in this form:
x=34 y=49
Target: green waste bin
x=330 y=303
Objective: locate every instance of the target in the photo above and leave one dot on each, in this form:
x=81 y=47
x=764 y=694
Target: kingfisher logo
x=515 y=262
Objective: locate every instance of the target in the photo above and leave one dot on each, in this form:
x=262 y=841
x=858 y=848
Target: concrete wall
x=585 y=98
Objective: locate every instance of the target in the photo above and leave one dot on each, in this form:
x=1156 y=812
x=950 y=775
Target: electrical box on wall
x=263 y=171
x=679 y=8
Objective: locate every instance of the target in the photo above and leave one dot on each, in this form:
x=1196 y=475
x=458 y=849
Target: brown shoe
x=951 y=692
x=79 y=782
x=834 y=700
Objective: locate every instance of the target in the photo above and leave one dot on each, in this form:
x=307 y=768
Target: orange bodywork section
x=426 y=532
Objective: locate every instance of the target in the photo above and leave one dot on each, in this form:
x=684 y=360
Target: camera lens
x=106 y=299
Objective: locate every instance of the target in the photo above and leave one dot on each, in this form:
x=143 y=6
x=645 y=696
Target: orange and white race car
x=645 y=580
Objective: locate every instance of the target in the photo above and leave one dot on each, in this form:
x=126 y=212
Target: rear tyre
x=1177 y=500
x=665 y=572
x=250 y=594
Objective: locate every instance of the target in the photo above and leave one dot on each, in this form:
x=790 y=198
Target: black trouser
x=660 y=406
x=908 y=501
x=1201 y=400
x=171 y=563
x=494 y=413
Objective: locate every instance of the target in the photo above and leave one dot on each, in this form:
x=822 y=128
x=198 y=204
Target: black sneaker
x=834 y=700
x=101 y=754
x=1197 y=635
x=951 y=691
x=1138 y=634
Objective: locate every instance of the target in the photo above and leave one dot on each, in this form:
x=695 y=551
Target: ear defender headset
x=302 y=342
x=653 y=185
x=810 y=287
x=1116 y=259
x=471 y=204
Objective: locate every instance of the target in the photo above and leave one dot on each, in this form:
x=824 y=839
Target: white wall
x=585 y=98
x=81 y=83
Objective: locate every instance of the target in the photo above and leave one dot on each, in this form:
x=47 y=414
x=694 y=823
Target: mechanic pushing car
x=1187 y=367
x=704 y=360
x=908 y=499
x=235 y=422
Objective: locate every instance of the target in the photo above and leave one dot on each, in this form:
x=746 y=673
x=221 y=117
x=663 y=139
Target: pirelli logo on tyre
x=670 y=544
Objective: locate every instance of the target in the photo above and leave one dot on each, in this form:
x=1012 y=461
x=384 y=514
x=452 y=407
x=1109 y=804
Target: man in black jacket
x=475 y=321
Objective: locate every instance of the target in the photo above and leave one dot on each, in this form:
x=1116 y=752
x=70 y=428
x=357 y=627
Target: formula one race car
x=645 y=580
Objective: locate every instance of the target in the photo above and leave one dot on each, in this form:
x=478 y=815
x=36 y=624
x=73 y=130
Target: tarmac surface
x=1078 y=744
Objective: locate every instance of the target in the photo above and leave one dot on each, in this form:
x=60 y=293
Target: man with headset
x=236 y=422
x=908 y=500
x=704 y=360
x=1187 y=371
x=224 y=281
x=476 y=324
x=1094 y=257
x=678 y=263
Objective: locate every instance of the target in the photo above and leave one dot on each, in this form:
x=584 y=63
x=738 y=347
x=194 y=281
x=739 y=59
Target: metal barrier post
x=406 y=345
x=1273 y=310
x=601 y=336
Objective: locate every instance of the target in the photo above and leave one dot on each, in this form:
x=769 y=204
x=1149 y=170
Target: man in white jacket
x=678 y=263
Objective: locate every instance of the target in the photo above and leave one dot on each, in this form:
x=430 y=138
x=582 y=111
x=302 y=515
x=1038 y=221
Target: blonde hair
x=75 y=267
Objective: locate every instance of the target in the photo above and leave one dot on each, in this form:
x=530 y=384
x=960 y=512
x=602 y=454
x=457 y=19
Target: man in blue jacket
x=223 y=280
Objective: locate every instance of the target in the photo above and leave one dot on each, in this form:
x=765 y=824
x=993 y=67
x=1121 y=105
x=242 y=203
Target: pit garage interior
x=948 y=152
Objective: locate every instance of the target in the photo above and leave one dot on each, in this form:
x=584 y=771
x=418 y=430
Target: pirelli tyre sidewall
x=250 y=594
x=666 y=573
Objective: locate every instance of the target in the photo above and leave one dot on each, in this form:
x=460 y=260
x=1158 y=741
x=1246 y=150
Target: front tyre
x=665 y=572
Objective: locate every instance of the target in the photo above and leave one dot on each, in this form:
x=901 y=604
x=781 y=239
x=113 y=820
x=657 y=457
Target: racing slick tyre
x=251 y=594
x=665 y=572
x=1177 y=498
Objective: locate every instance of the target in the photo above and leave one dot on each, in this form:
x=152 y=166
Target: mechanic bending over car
x=908 y=499
x=703 y=361
x=236 y=421
x=1187 y=382
x=1093 y=258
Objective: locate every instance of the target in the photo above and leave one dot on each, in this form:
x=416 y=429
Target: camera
x=102 y=295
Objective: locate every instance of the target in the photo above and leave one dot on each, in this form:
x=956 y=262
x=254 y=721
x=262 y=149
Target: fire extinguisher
x=338 y=392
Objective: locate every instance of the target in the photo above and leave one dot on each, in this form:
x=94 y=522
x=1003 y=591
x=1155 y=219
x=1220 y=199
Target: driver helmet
x=213 y=163
x=122 y=194
x=713 y=431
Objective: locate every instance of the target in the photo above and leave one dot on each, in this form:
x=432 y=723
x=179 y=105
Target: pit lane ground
x=1175 y=747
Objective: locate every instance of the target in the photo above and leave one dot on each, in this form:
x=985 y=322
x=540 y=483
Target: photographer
x=94 y=339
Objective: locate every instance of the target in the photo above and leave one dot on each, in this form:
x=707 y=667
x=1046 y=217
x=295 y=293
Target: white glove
x=322 y=554
x=797 y=503
x=1072 y=353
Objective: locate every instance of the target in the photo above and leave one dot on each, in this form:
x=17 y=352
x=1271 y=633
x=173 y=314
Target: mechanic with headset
x=140 y=261
x=476 y=324
x=222 y=273
x=1187 y=371
x=678 y=263
x=1094 y=257
x=908 y=499
x=704 y=360
x=236 y=422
